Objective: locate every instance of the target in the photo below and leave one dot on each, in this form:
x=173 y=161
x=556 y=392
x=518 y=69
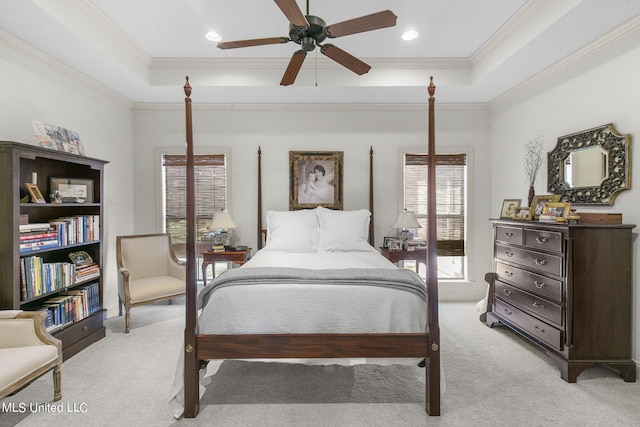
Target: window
x=451 y=174
x=210 y=173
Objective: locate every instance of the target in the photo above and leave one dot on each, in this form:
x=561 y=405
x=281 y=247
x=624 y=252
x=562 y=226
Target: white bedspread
x=306 y=308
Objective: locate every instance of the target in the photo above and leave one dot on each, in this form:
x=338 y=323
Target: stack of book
x=87 y=273
x=37 y=236
x=72 y=305
x=77 y=229
x=39 y=278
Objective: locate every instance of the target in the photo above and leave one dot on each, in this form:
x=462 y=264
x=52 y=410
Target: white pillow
x=292 y=231
x=343 y=230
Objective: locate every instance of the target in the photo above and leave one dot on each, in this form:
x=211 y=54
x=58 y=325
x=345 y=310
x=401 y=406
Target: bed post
x=191 y=383
x=433 y=328
x=259 y=198
x=372 y=240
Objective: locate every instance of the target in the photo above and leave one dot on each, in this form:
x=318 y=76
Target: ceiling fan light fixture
x=409 y=35
x=213 y=36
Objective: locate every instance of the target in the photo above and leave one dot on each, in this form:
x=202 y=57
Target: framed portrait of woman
x=315 y=179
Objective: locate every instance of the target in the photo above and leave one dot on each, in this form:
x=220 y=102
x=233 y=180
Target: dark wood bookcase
x=19 y=164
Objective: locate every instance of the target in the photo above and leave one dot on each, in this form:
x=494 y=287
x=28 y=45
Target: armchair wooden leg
x=57 y=388
x=170 y=302
x=126 y=319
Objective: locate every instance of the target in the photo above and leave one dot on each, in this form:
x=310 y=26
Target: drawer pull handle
x=541 y=240
x=539 y=285
x=507 y=292
x=538 y=305
x=539 y=329
x=541 y=261
x=508 y=273
x=509 y=312
x=509 y=254
x=85 y=328
x=507 y=234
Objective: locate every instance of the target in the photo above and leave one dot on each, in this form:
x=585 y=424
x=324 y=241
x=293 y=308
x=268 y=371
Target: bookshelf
x=36 y=269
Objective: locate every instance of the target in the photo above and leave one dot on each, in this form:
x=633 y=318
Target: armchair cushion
x=152 y=288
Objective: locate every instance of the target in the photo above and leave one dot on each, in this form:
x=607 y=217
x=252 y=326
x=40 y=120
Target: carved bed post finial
x=431 y=88
x=187 y=88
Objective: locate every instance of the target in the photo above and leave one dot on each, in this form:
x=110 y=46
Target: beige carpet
x=493 y=378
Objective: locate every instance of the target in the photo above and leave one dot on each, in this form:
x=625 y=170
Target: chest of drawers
x=568 y=289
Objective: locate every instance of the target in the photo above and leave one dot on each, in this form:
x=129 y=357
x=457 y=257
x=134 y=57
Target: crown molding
x=103 y=22
x=31 y=52
x=278 y=63
x=326 y=107
x=618 y=34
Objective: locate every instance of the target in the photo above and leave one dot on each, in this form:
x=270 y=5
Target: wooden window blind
x=450 y=198
x=210 y=189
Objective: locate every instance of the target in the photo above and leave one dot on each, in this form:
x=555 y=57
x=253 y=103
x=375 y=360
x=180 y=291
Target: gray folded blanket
x=399 y=278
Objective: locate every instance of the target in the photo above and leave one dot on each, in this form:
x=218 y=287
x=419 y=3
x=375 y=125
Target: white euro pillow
x=292 y=231
x=343 y=230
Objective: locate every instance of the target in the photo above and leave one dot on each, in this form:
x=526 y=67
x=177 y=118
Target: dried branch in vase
x=533 y=158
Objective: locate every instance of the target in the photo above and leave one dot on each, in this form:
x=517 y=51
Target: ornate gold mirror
x=590 y=167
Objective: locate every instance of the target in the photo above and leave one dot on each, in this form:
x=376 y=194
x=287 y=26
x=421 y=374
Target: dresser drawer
x=535 y=261
x=530 y=303
x=545 y=240
x=511 y=235
x=531 y=282
x=529 y=324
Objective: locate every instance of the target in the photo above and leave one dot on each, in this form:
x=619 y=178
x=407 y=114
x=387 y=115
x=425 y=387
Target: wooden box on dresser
x=43 y=279
x=566 y=288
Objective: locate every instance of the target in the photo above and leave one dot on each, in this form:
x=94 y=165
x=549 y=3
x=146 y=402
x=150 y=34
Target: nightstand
x=418 y=255
x=238 y=257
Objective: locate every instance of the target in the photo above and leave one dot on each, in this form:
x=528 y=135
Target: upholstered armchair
x=148 y=271
x=27 y=351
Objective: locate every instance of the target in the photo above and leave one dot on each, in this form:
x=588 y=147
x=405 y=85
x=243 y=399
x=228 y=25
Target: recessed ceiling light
x=409 y=35
x=213 y=36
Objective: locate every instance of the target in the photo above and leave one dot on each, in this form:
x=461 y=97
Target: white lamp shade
x=406 y=220
x=222 y=221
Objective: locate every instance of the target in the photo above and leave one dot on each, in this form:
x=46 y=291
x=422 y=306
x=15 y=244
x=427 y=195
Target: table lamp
x=404 y=222
x=220 y=224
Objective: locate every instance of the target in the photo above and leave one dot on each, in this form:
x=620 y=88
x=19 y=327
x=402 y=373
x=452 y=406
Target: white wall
x=352 y=129
x=603 y=90
x=33 y=86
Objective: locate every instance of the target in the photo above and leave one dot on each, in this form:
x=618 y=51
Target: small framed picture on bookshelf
x=73 y=190
x=34 y=192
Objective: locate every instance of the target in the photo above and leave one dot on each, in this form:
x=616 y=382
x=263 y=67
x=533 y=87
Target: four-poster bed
x=238 y=343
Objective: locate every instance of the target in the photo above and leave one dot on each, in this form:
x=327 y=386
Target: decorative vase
x=532 y=193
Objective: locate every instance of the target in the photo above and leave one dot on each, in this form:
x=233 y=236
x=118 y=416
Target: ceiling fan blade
x=293 y=68
x=375 y=21
x=345 y=59
x=252 y=42
x=292 y=12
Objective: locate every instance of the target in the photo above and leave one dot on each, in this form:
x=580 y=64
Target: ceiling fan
x=310 y=31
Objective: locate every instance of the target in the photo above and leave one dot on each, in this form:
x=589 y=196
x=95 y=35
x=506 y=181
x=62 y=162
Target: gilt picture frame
x=315 y=179
x=522 y=214
x=34 y=192
x=538 y=203
x=509 y=208
x=558 y=210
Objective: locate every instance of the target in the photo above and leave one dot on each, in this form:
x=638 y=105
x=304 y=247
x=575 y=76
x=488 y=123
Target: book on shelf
x=217 y=248
x=39 y=278
x=33 y=227
x=38 y=236
x=38 y=245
